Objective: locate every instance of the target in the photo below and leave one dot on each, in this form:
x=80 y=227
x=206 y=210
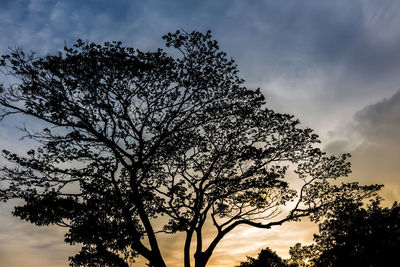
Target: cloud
x=372 y=137
x=380 y=121
x=376 y=124
x=23 y=244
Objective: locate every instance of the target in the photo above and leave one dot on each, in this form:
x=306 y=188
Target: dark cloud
x=380 y=121
x=376 y=125
x=293 y=36
x=373 y=138
x=377 y=156
x=289 y=35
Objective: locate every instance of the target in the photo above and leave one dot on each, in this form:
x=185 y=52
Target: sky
x=335 y=65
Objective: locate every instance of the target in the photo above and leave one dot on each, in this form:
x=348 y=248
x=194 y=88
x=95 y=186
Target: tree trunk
x=188 y=241
x=201 y=259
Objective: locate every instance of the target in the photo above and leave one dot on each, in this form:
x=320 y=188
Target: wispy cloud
x=22 y=244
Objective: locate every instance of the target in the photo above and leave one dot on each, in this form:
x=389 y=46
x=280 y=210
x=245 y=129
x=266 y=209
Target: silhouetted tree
x=134 y=135
x=301 y=256
x=266 y=258
x=357 y=236
x=350 y=235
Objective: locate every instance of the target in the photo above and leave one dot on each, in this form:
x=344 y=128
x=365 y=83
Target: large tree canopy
x=134 y=135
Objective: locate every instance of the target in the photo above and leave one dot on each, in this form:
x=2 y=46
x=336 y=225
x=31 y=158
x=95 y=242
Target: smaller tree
x=266 y=258
x=354 y=235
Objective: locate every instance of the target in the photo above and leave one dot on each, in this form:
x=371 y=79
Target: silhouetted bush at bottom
x=266 y=258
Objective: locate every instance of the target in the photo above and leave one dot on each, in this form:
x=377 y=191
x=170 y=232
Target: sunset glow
x=334 y=65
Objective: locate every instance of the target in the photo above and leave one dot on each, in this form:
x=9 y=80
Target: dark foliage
x=358 y=236
x=353 y=235
x=266 y=258
x=301 y=256
x=134 y=135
